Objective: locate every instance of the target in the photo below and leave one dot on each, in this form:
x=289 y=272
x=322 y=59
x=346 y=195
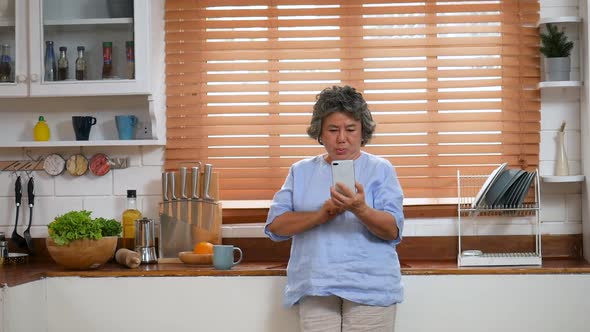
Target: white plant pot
x=561 y=164
x=557 y=69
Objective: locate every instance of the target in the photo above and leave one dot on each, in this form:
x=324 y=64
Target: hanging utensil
x=18 y=193
x=31 y=194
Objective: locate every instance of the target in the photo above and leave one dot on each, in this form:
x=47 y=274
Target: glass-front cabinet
x=13 y=47
x=74 y=48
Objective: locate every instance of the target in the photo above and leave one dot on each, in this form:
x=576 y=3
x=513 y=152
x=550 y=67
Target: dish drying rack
x=468 y=187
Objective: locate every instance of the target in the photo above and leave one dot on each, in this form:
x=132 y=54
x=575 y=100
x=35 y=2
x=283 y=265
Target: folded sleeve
x=390 y=198
x=282 y=202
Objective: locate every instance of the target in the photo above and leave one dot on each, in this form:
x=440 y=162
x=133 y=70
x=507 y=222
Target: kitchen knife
x=182 y=172
x=195 y=203
x=195 y=182
x=172 y=186
x=207 y=183
x=169 y=221
x=172 y=195
x=183 y=201
x=164 y=218
x=165 y=186
x=195 y=188
x=209 y=204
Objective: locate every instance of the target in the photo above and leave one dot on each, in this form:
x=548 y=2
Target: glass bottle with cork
x=107 y=60
x=81 y=65
x=62 y=64
x=5 y=64
x=129 y=216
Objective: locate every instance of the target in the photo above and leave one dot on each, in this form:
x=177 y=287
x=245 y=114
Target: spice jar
x=130 y=51
x=107 y=57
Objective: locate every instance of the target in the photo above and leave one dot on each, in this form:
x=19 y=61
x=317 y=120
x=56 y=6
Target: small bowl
x=188 y=257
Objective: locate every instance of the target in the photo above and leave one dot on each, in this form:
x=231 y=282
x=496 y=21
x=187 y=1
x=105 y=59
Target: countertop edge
x=15 y=275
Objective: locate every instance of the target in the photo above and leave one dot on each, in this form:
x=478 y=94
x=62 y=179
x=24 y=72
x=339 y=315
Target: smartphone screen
x=343 y=172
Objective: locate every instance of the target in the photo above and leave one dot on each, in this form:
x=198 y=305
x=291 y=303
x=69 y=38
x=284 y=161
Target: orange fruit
x=203 y=247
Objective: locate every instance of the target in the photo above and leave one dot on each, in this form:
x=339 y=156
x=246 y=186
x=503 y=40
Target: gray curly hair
x=344 y=99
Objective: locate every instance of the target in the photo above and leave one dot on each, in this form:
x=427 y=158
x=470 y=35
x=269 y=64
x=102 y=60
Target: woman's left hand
x=347 y=199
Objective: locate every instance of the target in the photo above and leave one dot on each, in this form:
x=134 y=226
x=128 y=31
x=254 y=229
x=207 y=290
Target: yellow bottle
x=129 y=216
x=41 y=131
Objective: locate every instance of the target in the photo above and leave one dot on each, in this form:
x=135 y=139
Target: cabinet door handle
x=21 y=79
x=34 y=77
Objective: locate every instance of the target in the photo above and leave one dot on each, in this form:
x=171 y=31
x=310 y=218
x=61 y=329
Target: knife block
x=184 y=223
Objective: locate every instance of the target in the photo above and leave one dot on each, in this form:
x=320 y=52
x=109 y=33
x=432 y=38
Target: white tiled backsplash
x=105 y=196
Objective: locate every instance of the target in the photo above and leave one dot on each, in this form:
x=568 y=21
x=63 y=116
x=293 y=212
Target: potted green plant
x=77 y=241
x=557 y=48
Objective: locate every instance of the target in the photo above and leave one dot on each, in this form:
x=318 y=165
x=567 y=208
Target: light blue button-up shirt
x=341 y=257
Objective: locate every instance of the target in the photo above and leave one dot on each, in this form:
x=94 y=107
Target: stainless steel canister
x=3 y=251
x=145 y=240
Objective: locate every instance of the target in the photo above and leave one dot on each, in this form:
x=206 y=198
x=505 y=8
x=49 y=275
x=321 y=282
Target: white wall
x=561 y=204
x=585 y=134
x=453 y=303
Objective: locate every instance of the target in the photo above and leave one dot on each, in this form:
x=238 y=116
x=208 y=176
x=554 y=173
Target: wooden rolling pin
x=128 y=258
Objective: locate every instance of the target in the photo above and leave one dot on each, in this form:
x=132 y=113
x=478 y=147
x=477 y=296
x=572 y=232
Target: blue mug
x=126 y=125
x=223 y=256
x=82 y=126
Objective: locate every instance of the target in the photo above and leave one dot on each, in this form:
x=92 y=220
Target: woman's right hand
x=291 y=223
x=330 y=210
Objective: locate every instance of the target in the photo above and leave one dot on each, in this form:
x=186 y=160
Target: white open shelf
x=6 y=22
x=90 y=21
x=560 y=19
x=562 y=179
x=560 y=84
x=34 y=144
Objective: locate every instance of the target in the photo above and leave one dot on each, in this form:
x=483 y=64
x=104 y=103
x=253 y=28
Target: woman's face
x=341 y=136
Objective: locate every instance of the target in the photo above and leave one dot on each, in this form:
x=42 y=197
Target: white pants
x=334 y=314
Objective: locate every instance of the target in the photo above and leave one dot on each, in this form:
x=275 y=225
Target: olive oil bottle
x=129 y=216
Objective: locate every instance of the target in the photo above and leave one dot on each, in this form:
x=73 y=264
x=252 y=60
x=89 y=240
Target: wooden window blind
x=451 y=84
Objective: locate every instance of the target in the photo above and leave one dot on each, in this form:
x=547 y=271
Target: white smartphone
x=343 y=172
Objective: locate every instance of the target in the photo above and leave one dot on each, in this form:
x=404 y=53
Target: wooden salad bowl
x=83 y=254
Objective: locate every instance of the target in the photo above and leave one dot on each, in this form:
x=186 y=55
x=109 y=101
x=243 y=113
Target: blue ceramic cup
x=223 y=256
x=126 y=125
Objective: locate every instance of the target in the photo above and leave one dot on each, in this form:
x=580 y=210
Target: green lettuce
x=109 y=227
x=76 y=225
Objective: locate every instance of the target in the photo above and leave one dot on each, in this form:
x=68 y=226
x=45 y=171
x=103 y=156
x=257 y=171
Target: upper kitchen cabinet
x=115 y=32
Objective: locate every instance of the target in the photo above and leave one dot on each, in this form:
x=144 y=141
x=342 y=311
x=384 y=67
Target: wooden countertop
x=13 y=275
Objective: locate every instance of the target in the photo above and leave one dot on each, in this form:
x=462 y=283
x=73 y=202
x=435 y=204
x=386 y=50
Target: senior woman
x=344 y=271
